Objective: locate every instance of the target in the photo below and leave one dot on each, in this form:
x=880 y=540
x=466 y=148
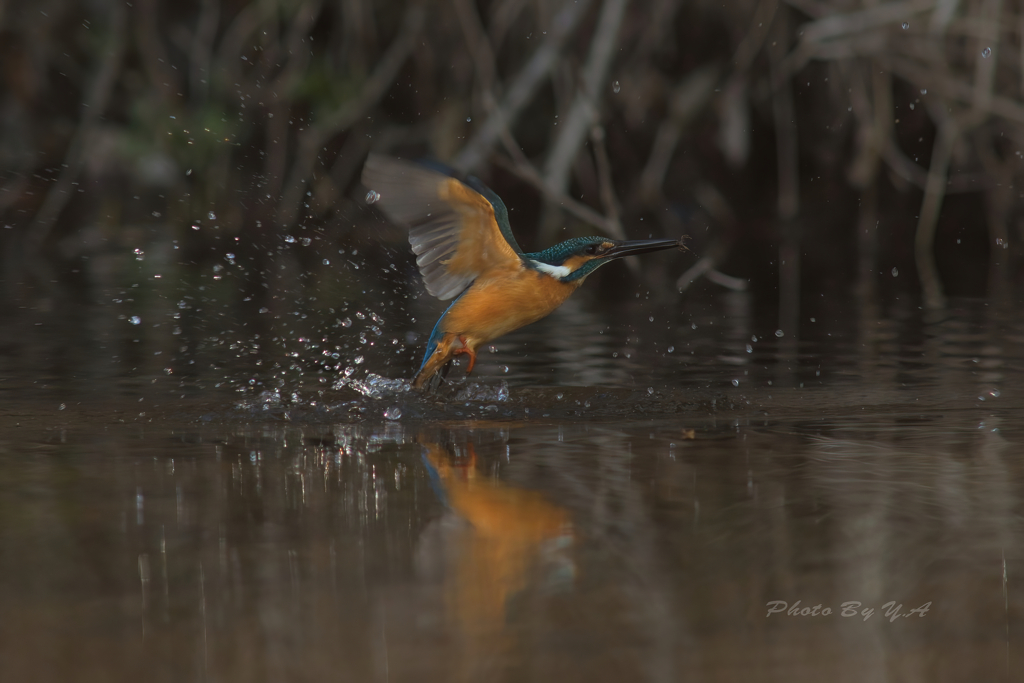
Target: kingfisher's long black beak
x=633 y=247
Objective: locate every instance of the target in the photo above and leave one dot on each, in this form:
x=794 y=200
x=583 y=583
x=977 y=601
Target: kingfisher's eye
x=593 y=249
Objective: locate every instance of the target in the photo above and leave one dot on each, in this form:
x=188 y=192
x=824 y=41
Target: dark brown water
x=626 y=492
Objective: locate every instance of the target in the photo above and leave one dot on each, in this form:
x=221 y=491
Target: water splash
x=476 y=391
x=375 y=386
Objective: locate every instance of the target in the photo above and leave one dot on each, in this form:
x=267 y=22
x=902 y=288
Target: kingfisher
x=465 y=250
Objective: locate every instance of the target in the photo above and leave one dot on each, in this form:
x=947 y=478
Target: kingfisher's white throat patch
x=557 y=272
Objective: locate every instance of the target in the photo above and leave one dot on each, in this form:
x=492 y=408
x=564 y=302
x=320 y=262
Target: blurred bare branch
x=523 y=88
x=298 y=57
x=93 y=109
x=573 y=128
x=604 y=175
x=753 y=41
x=607 y=185
x=712 y=201
x=934 y=192
x=525 y=171
x=584 y=110
x=788 y=178
x=479 y=47
x=155 y=59
x=688 y=98
x=246 y=22
x=201 y=52
x=313 y=139
x=506 y=12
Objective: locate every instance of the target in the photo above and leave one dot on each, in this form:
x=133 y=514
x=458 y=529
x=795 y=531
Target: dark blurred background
x=818 y=154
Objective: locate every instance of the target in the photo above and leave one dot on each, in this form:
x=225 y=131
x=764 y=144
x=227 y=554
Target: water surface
x=625 y=491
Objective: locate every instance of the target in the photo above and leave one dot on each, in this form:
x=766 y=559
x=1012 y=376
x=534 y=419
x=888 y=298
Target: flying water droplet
x=616 y=87
x=671 y=349
x=372 y=196
x=779 y=333
x=393 y=413
x=735 y=382
x=289 y=239
x=469 y=119
x=906 y=25
x=212 y=216
x=327 y=262
x=750 y=349
x=895 y=271
x=986 y=53
x=195 y=226
x=135 y=320
x=139 y=255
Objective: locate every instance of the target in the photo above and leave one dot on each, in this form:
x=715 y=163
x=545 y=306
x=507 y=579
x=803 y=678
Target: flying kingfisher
x=465 y=250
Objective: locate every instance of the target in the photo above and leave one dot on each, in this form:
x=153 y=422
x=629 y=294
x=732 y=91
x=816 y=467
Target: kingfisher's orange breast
x=504 y=302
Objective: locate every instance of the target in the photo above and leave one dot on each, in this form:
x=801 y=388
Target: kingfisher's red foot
x=468 y=351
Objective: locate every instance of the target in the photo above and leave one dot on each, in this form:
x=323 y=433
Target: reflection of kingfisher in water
x=460 y=233
x=511 y=530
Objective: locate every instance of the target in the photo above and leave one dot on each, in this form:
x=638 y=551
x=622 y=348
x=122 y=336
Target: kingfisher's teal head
x=575 y=259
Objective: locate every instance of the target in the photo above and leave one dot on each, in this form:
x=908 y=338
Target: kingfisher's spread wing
x=456 y=231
